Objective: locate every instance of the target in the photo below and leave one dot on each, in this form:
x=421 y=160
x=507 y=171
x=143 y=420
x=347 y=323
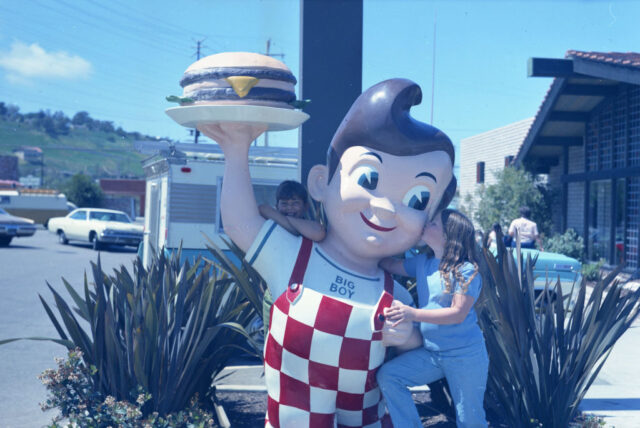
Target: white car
x=98 y=226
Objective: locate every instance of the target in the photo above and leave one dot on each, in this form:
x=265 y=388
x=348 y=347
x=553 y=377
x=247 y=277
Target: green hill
x=93 y=147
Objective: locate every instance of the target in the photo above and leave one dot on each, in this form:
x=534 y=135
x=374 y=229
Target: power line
x=433 y=70
x=36 y=29
x=109 y=29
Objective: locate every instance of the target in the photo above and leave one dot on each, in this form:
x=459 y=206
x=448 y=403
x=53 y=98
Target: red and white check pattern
x=321 y=358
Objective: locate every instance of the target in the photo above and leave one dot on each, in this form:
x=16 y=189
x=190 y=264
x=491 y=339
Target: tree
x=500 y=202
x=81 y=118
x=83 y=191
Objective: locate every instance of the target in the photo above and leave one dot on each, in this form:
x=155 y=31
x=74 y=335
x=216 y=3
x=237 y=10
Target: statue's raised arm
x=238 y=206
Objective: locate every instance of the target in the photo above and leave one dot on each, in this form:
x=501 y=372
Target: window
x=263 y=189
x=80 y=215
x=108 y=216
x=480 y=172
x=599 y=220
x=508 y=160
x=618 y=255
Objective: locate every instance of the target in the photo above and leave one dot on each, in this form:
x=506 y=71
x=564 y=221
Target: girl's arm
x=455 y=314
x=393 y=265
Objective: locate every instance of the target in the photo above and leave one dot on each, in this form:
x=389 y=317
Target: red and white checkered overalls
x=321 y=357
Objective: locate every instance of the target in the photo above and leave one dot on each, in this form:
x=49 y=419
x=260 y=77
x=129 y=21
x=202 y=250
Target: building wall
x=490 y=147
x=9 y=168
x=575 y=211
x=611 y=142
x=575 y=206
x=128 y=204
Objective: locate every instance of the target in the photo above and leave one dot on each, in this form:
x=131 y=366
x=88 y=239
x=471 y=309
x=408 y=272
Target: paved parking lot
x=25 y=267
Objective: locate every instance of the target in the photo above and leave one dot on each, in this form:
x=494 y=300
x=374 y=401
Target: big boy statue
x=386 y=175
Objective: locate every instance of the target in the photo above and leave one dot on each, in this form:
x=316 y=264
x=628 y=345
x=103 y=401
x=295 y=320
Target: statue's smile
x=375 y=226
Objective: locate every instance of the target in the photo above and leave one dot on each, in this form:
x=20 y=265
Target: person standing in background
x=527 y=230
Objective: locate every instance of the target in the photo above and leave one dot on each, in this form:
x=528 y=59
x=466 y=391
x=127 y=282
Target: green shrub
x=514 y=187
x=591 y=271
x=70 y=390
x=544 y=359
x=569 y=243
x=167 y=330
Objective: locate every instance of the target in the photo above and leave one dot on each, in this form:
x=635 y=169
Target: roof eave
x=540 y=120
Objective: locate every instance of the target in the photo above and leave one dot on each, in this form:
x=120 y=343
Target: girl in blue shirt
x=452 y=342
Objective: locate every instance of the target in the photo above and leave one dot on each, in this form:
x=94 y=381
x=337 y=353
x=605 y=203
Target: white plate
x=278 y=119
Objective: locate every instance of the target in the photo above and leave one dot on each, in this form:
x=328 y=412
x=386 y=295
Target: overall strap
x=388 y=282
x=299 y=269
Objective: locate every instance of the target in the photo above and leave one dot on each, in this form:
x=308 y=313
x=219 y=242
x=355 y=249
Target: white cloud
x=27 y=62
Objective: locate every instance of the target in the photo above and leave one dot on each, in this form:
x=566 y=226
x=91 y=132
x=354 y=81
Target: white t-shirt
x=527 y=229
x=274 y=252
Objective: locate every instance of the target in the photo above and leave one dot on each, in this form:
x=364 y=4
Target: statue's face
x=377 y=203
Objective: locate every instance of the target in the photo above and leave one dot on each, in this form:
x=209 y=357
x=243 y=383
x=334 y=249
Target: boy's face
x=378 y=203
x=294 y=207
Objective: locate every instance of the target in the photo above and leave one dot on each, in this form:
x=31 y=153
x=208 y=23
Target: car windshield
x=3 y=211
x=107 y=216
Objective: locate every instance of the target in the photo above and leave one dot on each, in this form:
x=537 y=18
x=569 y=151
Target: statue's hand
x=233 y=135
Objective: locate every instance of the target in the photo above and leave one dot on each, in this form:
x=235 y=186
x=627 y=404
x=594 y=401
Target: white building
x=482 y=155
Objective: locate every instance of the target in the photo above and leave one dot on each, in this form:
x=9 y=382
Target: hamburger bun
x=238 y=78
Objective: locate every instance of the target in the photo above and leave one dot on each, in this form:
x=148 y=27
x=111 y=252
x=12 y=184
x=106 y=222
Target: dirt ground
x=247 y=410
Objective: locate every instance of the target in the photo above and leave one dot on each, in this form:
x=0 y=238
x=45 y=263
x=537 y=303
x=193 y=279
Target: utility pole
x=196 y=133
x=433 y=70
x=42 y=171
x=268 y=53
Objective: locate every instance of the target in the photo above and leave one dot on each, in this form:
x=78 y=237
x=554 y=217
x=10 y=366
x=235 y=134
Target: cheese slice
x=242 y=84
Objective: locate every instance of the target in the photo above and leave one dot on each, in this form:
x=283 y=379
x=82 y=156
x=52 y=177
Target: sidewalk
x=615 y=394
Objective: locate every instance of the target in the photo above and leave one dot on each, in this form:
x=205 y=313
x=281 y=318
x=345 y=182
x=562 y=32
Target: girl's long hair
x=460 y=247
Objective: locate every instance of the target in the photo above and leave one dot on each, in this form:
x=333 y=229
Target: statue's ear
x=317 y=182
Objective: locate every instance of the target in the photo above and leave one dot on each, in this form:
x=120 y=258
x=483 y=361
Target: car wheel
x=62 y=238
x=97 y=245
x=5 y=241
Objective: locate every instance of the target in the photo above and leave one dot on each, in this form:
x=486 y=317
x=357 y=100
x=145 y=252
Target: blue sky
x=118 y=59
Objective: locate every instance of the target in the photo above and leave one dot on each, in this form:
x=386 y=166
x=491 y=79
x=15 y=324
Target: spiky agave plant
x=543 y=357
x=168 y=330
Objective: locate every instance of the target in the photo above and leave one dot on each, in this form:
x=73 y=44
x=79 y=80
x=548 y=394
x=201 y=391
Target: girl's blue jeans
x=465 y=370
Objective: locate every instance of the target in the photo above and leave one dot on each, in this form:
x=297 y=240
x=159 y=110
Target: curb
x=263 y=388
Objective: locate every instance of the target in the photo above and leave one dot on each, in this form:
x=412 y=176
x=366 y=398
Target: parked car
x=12 y=226
x=551 y=267
x=98 y=226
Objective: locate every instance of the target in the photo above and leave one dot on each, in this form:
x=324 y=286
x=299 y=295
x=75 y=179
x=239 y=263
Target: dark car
x=12 y=226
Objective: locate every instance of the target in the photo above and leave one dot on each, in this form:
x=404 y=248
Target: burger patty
x=265 y=94
x=222 y=72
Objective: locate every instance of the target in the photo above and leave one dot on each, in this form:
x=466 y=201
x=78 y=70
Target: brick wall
x=490 y=147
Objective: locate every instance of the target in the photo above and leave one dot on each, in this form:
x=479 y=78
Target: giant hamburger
x=238 y=78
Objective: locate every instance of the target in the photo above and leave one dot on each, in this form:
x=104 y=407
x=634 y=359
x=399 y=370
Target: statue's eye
x=367 y=177
x=417 y=198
